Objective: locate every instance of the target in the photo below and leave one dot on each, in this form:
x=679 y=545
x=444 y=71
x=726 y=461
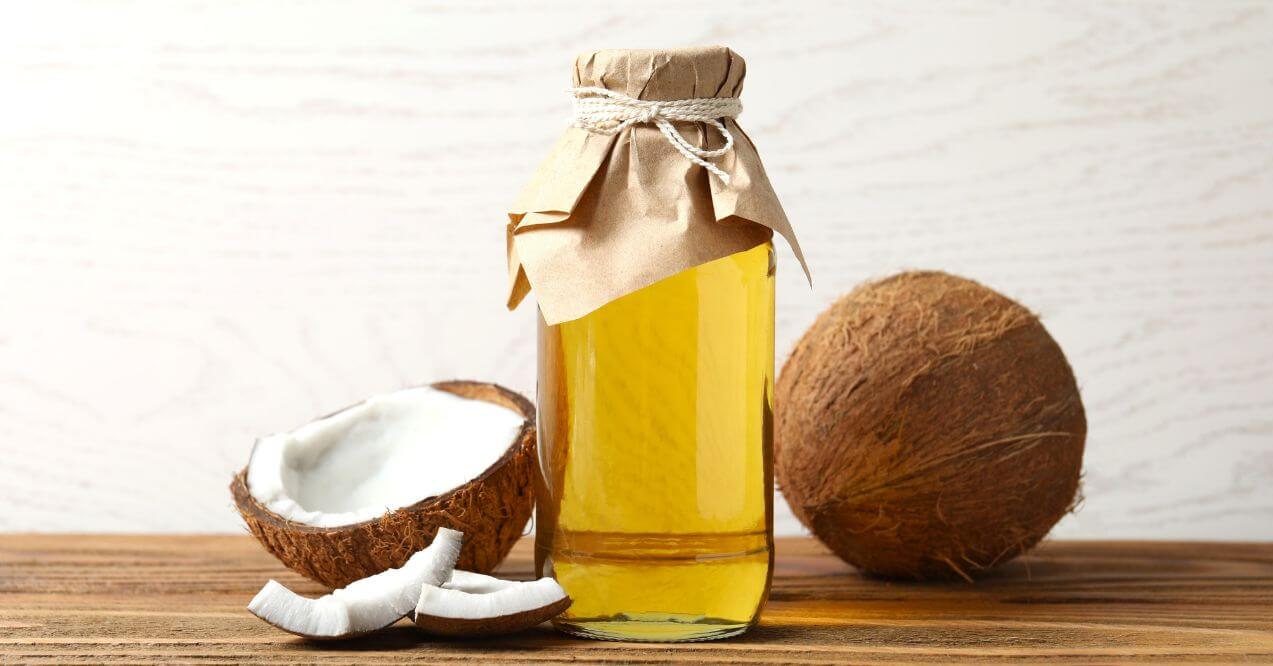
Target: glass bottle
x=646 y=238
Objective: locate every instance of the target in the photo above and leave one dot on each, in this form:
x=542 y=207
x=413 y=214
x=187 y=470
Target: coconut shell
x=491 y=510
x=928 y=427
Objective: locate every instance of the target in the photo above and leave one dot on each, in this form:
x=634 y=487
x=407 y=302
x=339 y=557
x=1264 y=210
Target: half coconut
x=358 y=492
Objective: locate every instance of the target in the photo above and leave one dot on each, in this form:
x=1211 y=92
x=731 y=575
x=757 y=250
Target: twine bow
x=608 y=112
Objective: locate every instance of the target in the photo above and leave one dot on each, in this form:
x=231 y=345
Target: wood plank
x=70 y=598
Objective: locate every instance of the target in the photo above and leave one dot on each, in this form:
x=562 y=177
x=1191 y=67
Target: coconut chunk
x=477 y=605
x=366 y=605
x=379 y=455
x=325 y=617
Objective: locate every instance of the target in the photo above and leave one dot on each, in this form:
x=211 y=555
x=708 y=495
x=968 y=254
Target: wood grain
x=139 y=599
x=222 y=219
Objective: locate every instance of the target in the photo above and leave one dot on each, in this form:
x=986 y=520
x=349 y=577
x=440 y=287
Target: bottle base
x=651 y=628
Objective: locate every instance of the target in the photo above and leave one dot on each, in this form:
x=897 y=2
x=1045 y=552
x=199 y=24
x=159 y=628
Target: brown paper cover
x=605 y=215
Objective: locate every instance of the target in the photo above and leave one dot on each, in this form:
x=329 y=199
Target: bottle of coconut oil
x=646 y=237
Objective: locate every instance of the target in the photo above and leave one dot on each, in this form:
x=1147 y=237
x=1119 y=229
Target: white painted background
x=219 y=219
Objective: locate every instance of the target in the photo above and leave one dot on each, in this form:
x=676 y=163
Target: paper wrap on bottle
x=605 y=215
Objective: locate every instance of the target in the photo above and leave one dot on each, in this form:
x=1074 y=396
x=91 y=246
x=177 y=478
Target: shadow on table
x=404 y=636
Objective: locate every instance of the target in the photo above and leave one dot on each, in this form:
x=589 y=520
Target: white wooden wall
x=220 y=219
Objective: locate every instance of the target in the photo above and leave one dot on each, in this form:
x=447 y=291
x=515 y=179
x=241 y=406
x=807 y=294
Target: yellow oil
x=655 y=432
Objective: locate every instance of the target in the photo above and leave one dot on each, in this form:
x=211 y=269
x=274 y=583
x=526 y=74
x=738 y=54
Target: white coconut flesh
x=472 y=596
x=383 y=454
x=363 y=606
x=476 y=583
x=325 y=617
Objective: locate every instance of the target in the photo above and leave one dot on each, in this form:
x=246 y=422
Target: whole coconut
x=927 y=427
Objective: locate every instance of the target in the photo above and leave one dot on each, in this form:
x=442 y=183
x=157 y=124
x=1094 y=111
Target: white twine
x=608 y=112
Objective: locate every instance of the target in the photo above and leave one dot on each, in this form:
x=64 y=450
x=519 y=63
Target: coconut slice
x=324 y=617
x=365 y=606
x=476 y=605
x=355 y=493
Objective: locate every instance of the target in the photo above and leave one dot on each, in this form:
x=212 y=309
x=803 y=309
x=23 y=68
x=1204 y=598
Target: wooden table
x=130 y=599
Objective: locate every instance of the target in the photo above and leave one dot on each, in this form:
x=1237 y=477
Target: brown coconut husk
x=928 y=427
x=491 y=510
